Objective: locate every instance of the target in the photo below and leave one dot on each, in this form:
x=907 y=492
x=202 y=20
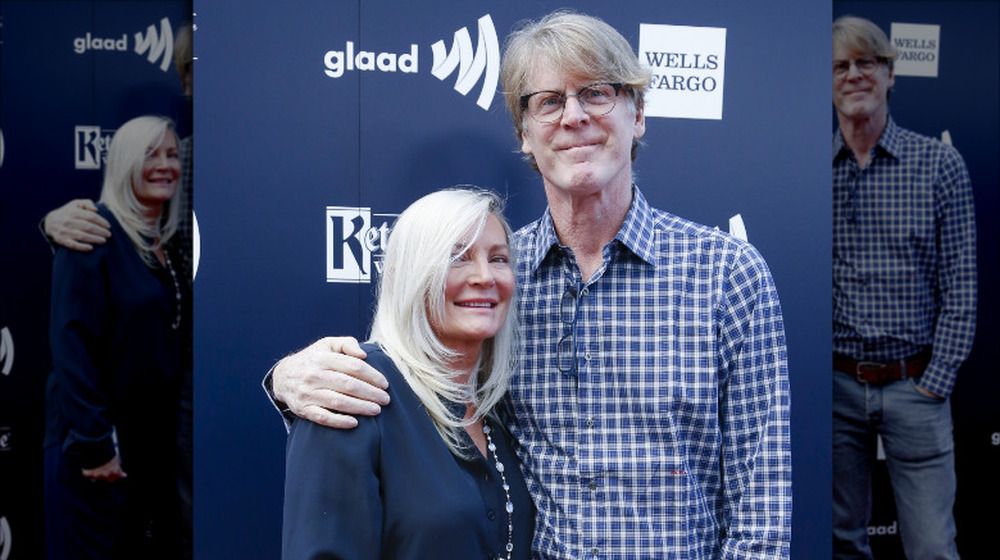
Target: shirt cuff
x=286 y=414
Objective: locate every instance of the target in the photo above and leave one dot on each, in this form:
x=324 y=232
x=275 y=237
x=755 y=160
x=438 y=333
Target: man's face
x=860 y=94
x=580 y=153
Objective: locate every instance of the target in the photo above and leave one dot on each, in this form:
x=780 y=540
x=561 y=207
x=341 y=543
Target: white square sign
x=688 y=65
x=918 y=49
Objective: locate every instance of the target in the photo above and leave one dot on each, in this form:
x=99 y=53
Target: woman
x=120 y=338
x=433 y=476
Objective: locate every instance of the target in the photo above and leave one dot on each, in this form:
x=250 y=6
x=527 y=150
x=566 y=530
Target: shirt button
x=491 y=515
x=590 y=422
x=592 y=485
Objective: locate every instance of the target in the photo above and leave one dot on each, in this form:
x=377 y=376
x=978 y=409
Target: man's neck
x=861 y=135
x=586 y=224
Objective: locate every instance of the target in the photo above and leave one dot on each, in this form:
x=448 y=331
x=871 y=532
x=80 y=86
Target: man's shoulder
x=914 y=137
x=525 y=236
x=912 y=143
x=673 y=227
x=720 y=250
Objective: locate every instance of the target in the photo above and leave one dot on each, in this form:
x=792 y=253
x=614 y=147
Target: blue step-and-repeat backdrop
x=311 y=113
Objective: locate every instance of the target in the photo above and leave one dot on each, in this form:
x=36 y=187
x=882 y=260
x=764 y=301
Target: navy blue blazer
x=391 y=488
x=117 y=363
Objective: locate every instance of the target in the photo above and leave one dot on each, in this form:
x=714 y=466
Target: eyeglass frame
x=618 y=87
x=875 y=61
x=572 y=293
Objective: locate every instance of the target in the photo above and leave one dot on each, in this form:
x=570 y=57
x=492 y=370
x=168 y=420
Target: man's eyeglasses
x=569 y=307
x=865 y=64
x=547 y=106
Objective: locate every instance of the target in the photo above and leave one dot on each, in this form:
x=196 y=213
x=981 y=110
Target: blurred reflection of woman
x=120 y=340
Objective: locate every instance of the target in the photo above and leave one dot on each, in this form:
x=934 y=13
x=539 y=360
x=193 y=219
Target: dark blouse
x=392 y=489
x=118 y=363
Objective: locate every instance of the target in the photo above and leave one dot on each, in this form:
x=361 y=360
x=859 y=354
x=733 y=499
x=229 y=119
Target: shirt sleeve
x=77 y=327
x=955 y=327
x=754 y=403
x=333 y=507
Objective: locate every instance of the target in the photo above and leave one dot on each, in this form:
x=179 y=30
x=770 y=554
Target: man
x=904 y=303
x=651 y=405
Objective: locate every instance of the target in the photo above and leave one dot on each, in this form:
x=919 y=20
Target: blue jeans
x=919 y=449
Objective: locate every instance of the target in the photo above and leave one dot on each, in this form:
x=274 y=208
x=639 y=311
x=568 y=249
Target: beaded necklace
x=506 y=489
x=177 y=290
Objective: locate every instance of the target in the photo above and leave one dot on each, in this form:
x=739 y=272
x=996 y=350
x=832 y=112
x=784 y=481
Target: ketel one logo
x=471 y=65
x=355 y=243
x=90 y=146
x=156 y=45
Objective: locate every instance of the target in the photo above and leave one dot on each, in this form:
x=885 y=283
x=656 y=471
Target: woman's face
x=161 y=172
x=477 y=292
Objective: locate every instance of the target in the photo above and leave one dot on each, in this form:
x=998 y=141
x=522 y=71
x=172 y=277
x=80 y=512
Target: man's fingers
x=90 y=215
x=80 y=239
x=351 y=396
x=93 y=225
x=343 y=345
x=89 y=234
x=324 y=417
x=357 y=368
x=73 y=245
x=367 y=382
x=85 y=204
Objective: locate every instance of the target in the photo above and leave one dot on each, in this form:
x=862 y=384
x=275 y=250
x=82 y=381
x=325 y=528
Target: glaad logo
x=471 y=67
x=6 y=351
x=882 y=530
x=91 y=146
x=4 y=539
x=155 y=45
x=158 y=45
x=483 y=63
x=355 y=243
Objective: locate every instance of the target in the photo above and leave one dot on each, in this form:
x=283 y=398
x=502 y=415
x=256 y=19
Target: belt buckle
x=861 y=366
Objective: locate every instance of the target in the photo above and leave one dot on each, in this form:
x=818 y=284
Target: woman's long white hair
x=425 y=240
x=126 y=155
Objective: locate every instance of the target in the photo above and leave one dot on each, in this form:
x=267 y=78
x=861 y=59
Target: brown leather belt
x=879 y=372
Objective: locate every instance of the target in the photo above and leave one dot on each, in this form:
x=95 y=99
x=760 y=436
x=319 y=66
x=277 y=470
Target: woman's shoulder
x=118 y=234
x=378 y=359
x=368 y=426
x=82 y=259
x=107 y=214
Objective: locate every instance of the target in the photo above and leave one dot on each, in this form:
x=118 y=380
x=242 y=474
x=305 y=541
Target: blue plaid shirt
x=904 y=254
x=652 y=403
